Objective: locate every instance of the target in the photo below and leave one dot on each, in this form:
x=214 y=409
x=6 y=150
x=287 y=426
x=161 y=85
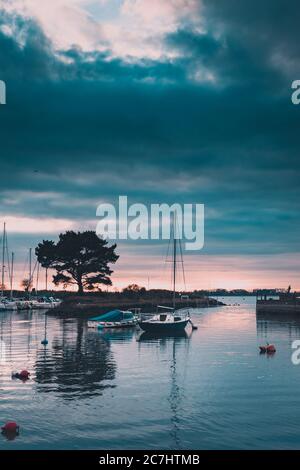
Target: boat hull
x=116 y=325
x=161 y=327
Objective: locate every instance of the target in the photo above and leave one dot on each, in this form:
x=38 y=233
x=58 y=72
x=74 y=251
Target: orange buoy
x=271 y=348
x=11 y=427
x=24 y=374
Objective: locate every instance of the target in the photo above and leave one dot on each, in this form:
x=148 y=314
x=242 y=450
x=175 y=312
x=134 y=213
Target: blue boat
x=114 y=319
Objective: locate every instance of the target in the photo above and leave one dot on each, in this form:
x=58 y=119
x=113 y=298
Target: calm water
x=207 y=390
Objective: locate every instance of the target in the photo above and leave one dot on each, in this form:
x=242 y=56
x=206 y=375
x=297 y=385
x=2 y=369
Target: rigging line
x=166 y=258
x=8 y=260
x=3 y=261
x=30 y=280
x=37 y=277
x=182 y=264
x=25 y=265
x=168 y=250
x=33 y=271
x=174 y=237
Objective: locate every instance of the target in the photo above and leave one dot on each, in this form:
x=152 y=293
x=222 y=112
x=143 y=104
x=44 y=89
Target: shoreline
x=85 y=307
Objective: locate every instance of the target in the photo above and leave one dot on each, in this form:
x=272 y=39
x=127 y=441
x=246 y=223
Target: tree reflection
x=80 y=364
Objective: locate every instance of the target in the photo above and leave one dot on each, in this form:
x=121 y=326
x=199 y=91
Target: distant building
x=278 y=302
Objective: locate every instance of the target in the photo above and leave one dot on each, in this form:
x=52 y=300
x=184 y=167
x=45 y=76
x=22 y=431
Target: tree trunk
x=80 y=286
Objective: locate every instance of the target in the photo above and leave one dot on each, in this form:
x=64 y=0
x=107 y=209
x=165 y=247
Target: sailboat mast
x=174 y=261
x=12 y=274
x=29 y=280
x=3 y=259
x=37 y=278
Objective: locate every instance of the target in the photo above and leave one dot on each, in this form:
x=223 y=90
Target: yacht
x=168 y=319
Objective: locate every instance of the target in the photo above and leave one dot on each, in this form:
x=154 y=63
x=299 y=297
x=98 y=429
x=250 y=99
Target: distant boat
x=8 y=304
x=170 y=320
x=44 y=303
x=114 y=319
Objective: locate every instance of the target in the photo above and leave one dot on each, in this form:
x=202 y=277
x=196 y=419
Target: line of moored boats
x=36 y=303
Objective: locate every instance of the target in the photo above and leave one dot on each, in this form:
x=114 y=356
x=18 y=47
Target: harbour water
x=208 y=389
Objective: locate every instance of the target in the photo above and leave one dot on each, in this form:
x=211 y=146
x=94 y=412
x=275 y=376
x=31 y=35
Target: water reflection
x=78 y=365
x=173 y=343
x=143 y=336
x=268 y=324
x=119 y=335
x=119 y=389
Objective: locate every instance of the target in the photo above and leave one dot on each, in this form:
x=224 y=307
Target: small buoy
x=269 y=348
x=11 y=427
x=24 y=374
x=44 y=342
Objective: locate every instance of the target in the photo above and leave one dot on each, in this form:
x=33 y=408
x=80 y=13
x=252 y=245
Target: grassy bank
x=90 y=304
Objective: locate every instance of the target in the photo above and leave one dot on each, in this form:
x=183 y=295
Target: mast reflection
x=171 y=342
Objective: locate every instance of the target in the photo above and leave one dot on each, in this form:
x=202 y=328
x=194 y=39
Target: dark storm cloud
x=271 y=25
x=215 y=125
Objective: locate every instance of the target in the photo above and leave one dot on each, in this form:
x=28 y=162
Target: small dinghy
x=269 y=349
x=114 y=319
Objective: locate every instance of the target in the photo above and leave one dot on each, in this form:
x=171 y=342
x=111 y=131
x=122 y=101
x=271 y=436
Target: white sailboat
x=170 y=320
x=36 y=302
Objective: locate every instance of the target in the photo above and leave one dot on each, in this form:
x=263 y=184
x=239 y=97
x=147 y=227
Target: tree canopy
x=80 y=258
x=133 y=290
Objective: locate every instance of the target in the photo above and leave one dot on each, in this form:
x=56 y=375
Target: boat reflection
x=147 y=336
x=120 y=335
x=77 y=365
x=168 y=344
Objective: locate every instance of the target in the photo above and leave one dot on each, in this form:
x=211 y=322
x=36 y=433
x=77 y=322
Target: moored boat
x=44 y=303
x=8 y=304
x=172 y=320
x=165 y=322
x=114 y=319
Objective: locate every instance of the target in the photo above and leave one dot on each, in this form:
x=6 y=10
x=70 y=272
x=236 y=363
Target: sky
x=184 y=101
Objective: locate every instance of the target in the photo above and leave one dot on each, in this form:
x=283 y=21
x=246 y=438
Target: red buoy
x=10 y=427
x=269 y=348
x=24 y=374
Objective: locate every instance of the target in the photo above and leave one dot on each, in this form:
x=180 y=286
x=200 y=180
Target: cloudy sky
x=164 y=101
